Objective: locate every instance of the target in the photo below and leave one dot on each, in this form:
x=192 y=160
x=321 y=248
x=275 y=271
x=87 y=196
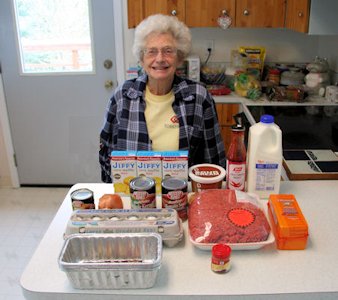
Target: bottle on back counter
x=264 y=159
x=236 y=159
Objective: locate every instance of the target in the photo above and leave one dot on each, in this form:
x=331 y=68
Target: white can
x=264 y=157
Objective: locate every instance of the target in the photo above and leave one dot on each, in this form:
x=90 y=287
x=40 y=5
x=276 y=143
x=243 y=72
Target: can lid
x=142 y=183
x=172 y=183
x=82 y=194
x=221 y=251
x=267 y=119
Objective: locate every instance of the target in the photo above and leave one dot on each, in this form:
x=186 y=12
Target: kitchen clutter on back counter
x=248 y=75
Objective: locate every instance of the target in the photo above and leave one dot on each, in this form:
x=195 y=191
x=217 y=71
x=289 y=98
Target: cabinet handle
x=174 y=12
x=246 y=12
x=300 y=14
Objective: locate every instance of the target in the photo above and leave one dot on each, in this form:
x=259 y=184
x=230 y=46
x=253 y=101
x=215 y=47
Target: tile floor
x=25 y=214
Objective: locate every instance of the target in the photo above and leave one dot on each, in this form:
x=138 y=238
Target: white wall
x=5 y=175
x=328 y=47
x=281 y=45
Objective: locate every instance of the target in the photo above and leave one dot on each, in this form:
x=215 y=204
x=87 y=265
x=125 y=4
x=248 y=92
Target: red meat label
x=241 y=217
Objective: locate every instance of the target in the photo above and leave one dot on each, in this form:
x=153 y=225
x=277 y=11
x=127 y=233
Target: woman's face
x=160 y=58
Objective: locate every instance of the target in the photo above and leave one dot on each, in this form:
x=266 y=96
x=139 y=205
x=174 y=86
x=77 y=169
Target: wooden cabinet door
x=225 y=113
x=202 y=13
x=297 y=15
x=135 y=12
x=260 y=13
x=140 y=9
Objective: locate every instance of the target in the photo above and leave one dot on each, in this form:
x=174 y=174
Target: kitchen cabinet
x=140 y=9
x=260 y=13
x=201 y=13
x=225 y=113
x=297 y=15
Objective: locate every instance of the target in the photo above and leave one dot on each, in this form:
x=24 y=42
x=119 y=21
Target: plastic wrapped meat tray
x=163 y=221
x=111 y=261
x=231 y=217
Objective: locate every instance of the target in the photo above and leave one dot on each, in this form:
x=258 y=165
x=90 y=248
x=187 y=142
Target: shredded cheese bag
x=255 y=57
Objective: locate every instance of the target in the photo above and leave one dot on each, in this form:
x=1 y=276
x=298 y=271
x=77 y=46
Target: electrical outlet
x=210 y=45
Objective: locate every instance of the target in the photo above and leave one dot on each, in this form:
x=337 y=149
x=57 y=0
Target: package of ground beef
x=226 y=216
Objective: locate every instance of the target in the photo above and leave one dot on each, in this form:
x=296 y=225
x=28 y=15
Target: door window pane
x=54 y=36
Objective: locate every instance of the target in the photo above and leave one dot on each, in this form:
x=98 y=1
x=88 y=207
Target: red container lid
x=221 y=251
x=274 y=71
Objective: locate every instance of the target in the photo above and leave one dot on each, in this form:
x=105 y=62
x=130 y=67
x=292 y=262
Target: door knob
x=109 y=84
x=108 y=64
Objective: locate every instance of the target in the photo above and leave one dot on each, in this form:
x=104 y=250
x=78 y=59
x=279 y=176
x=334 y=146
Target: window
x=54 y=36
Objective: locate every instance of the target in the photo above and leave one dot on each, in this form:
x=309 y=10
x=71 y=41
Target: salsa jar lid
x=221 y=251
x=206 y=173
x=142 y=183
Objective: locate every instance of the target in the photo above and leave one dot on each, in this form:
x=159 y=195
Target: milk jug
x=264 y=157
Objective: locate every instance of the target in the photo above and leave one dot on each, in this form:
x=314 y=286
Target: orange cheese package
x=288 y=222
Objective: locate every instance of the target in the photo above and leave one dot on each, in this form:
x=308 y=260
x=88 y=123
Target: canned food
x=142 y=192
x=174 y=195
x=82 y=199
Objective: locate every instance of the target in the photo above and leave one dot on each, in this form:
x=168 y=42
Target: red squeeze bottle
x=236 y=159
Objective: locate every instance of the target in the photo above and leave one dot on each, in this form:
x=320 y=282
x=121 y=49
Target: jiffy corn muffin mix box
x=175 y=164
x=123 y=168
x=149 y=164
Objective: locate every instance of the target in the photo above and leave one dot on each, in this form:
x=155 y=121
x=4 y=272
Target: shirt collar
x=180 y=88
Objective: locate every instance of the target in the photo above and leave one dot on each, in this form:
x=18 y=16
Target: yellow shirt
x=162 y=123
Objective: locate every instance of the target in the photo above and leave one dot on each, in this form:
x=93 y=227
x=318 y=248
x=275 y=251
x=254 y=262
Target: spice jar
x=220 y=260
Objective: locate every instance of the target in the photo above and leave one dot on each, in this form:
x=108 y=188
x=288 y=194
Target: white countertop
x=264 y=101
x=185 y=272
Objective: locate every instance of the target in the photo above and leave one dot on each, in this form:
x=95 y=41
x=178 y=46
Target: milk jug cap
x=267 y=119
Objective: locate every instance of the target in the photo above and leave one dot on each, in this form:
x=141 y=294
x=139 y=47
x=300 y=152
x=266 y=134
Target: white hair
x=162 y=24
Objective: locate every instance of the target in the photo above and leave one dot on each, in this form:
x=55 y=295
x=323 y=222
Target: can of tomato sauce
x=82 y=199
x=174 y=195
x=142 y=192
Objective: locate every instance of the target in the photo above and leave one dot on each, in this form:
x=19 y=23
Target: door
x=140 y=9
x=297 y=15
x=205 y=13
x=260 y=13
x=55 y=119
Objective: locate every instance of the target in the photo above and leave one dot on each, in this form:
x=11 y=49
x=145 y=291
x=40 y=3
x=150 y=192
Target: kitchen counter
x=264 y=101
x=266 y=273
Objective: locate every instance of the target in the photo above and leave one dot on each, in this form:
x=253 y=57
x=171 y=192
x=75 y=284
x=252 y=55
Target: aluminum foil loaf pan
x=162 y=221
x=111 y=261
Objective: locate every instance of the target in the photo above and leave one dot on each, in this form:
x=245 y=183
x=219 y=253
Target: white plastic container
x=264 y=157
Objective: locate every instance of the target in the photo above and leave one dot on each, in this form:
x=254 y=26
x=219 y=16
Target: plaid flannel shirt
x=125 y=126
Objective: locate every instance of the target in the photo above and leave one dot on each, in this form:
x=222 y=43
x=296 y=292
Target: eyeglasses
x=166 y=52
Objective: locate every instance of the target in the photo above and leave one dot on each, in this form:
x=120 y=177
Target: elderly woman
x=159 y=110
